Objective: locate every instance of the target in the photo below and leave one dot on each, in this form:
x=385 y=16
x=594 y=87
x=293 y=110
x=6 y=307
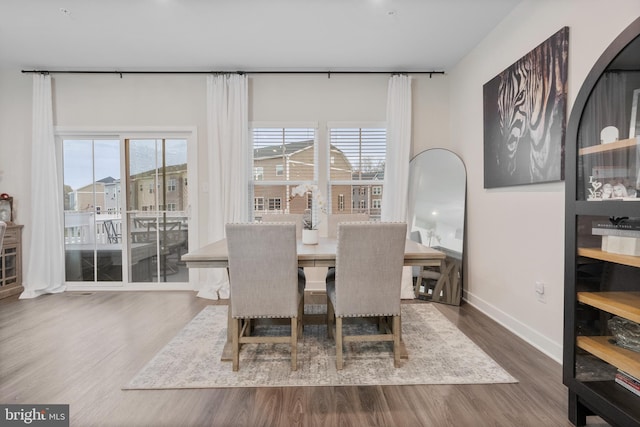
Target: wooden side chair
x=367 y=282
x=264 y=283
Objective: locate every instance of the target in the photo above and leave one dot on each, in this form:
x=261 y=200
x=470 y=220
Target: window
x=258 y=203
x=285 y=158
x=258 y=173
x=171 y=207
x=275 y=204
x=171 y=184
x=376 y=203
x=357 y=166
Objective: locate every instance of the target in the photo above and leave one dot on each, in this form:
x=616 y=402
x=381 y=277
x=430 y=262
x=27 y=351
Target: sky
x=80 y=168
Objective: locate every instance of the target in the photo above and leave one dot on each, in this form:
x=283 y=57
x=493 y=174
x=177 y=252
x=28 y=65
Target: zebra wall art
x=525 y=115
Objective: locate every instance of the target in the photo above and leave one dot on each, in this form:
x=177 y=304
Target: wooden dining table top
x=323 y=254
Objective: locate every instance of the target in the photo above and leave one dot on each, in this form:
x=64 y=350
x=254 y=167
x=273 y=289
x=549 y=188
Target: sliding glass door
x=157 y=201
x=126 y=218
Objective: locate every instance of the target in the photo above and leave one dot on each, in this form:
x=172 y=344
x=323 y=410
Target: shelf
x=623 y=304
x=597 y=253
x=602 y=148
x=621 y=358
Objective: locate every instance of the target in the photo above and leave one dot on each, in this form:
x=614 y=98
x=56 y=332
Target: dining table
x=322 y=254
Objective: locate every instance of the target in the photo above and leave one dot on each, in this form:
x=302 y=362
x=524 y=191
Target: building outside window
x=364 y=149
x=355 y=165
x=286 y=157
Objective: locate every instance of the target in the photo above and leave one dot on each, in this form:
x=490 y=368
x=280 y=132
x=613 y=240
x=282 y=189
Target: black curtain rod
x=328 y=72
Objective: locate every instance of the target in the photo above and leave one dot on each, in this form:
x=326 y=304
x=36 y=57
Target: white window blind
x=357 y=166
x=286 y=157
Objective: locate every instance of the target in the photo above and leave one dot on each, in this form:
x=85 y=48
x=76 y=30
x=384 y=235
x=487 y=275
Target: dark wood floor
x=81 y=348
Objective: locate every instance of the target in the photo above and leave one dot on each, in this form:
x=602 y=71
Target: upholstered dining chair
x=297 y=219
x=367 y=282
x=334 y=219
x=332 y=229
x=264 y=283
x=278 y=217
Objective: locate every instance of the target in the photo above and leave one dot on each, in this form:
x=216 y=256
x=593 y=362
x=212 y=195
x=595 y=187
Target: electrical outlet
x=539 y=289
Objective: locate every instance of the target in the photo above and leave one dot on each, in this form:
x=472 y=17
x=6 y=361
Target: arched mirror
x=437 y=193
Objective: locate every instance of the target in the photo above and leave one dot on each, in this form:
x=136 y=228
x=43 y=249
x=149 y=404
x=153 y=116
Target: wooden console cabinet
x=11 y=262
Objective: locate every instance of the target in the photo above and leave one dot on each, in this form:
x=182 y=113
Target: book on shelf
x=628 y=381
x=615 y=232
x=625 y=227
x=621 y=245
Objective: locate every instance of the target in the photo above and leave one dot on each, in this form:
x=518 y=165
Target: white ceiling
x=244 y=35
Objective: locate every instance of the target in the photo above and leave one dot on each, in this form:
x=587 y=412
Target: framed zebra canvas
x=525 y=115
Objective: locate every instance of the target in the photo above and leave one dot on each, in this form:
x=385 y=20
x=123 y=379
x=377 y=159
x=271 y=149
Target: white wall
x=108 y=101
x=515 y=234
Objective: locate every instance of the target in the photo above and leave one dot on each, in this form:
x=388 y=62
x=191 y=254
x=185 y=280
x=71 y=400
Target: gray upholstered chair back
x=295 y=218
x=335 y=219
x=263 y=270
x=3 y=228
x=369 y=261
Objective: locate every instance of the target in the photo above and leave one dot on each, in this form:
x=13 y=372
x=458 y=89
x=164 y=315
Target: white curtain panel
x=228 y=160
x=45 y=260
x=396 y=173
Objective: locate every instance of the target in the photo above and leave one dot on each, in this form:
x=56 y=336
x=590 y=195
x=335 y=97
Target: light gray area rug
x=438 y=354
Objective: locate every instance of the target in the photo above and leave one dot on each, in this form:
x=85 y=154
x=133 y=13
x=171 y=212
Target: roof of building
x=280 y=150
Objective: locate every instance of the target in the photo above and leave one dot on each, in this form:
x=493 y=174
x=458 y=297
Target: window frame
x=363 y=186
x=311 y=127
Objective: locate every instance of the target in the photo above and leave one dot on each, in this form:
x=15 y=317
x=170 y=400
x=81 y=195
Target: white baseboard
x=531 y=336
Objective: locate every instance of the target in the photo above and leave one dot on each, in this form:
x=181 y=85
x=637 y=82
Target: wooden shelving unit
x=597 y=253
x=623 y=304
x=11 y=262
x=603 y=348
x=599 y=284
x=602 y=148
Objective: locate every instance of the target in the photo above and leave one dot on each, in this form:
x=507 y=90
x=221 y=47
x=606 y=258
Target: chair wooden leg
x=294 y=343
x=416 y=289
x=396 y=341
x=338 y=343
x=330 y=319
x=300 y=317
x=235 y=343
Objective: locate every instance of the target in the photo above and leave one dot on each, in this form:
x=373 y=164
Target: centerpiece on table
x=310 y=227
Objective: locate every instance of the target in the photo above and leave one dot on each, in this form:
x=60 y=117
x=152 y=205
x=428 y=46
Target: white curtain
x=45 y=261
x=228 y=148
x=396 y=172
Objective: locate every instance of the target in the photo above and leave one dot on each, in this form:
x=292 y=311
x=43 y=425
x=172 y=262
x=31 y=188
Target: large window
x=282 y=159
x=356 y=168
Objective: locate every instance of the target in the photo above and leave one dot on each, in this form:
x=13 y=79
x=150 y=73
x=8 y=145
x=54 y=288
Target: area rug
x=438 y=353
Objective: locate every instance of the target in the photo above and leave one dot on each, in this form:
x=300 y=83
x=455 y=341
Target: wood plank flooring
x=81 y=348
